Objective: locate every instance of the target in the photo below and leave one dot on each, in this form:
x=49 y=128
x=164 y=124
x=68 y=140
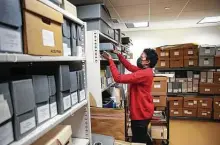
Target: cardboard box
x=175 y=102
x=159 y=132
x=204 y=113
x=187 y=112
x=163 y=53
x=176 y=112
x=217 y=115
x=69 y=7
x=42 y=29
x=216 y=104
x=159 y=86
x=217 y=77
x=52 y=85
x=206 y=61
x=207 y=50
x=160 y=101
x=207 y=88
x=210 y=76
x=60 y=135
x=190 y=102
x=10 y=26
x=176 y=62
x=217 y=60
x=217 y=89
x=203 y=77
x=7 y=135
x=205 y=103
x=163 y=63
x=176 y=53
x=190 y=61
x=191 y=51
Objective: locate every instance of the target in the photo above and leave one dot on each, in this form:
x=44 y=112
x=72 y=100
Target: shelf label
x=190 y=52
x=53 y=109
x=156 y=100
x=207 y=51
x=157 y=86
x=27 y=125
x=48 y=38
x=176 y=53
x=204 y=104
x=43 y=113
x=66 y=102
x=74 y=98
x=11 y=40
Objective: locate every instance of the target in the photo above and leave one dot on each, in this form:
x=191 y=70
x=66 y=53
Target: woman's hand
x=115 y=51
x=106 y=55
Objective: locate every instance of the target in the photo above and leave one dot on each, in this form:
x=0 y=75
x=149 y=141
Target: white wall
x=155 y=38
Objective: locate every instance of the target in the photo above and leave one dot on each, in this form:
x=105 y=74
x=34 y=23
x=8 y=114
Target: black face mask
x=139 y=63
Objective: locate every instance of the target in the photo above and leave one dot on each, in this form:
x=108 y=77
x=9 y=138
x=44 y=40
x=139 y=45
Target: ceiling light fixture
x=141 y=24
x=214 y=19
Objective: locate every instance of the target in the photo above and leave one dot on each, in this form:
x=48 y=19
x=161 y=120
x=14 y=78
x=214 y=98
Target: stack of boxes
x=163 y=55
x=190 y=56
x=217 y=56
x=206 y=55
x=106 y=77
x=176 y=57
x=190 y=107
x=216 y=105
x=159 y=93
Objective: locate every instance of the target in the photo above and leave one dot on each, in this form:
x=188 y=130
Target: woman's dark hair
x=152 y=56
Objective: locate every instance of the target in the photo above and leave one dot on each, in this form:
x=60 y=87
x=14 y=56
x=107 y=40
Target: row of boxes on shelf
x=27 y=103
x=106 y=77
x=45 y=30
x=195 y=107
x=188 y=55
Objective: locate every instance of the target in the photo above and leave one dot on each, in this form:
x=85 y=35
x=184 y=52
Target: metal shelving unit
x=78 y=114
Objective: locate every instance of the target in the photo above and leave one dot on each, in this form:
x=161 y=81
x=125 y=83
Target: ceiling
x=181 y=13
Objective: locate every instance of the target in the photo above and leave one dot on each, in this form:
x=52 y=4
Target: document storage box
x=42 y=112
x=23 y=124
x=73 y=39
x=190 y=102
x=80 y=41
x=159 y=86
x=176 y=112
x=190 y=112
x=190 y=61
x=207 y=50
x=217 y=115
x=206 y=61
x=175 y=102
x=190 y=50
x=74 y=88
x=53 y=106
x=10 y=26
x=95 y=11
x=69 y=7
x=106 y=46
x=159 y=132
x=100 y=25
x=6 y=133
x=216 y=104
x=204 y=113
x=176 y=62
x=52 y=85
x=163 y=63
x=5 y=95
x=22 y=93
x=81 y=85
x=66 y=37
x=163 y=53
x=205 y=103
x=160 y=101
x=176 y=53
x=42 y=29
x=63 y=101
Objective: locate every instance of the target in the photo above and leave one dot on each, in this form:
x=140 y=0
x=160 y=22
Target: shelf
x=192 y=94
x=6 y=57
x=44 y=128
x=187 y=68
x=108 y=87
x=193 y=119
x=64 y=12
x=79 y=141
x=105 y=38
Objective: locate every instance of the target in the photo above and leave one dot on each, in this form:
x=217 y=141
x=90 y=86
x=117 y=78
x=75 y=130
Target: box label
x=175 y=103
x=162 y=63
x=4 y=111
x=43 y=113
x=207 y=51
x=27 y=125
x=190 y=52
x=204 y=104
x=162 y=54
x=66 y=102
x=190 y=104
x=191 y=62
x=206 y=62
x=167 y=53
x=207 y=90
x=74 y=98
x=210 y=80
x=10 y=40
x=82 y=95
x=204 y=114
x=53 y=109
x=80 y=51
x=170 y=90
x=109 y=81
x=66 y=50
x=48 y=38
x=156 y=100
x=176 y=53
x=157 y=86
x=176 y=112
x=203 y=80
x=188 y=112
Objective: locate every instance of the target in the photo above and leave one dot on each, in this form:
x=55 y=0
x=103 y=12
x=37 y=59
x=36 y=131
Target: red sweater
x=140 y=80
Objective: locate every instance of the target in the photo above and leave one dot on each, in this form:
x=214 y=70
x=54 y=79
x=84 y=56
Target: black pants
x=139 y=130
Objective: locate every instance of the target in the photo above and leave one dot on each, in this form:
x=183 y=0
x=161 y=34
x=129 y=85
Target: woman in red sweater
x=141 y=101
